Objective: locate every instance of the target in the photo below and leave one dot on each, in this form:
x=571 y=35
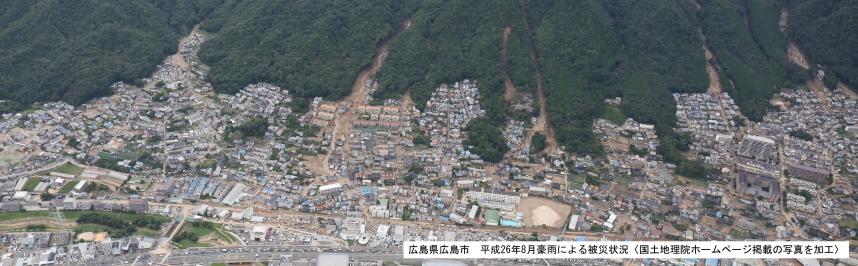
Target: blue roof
x=368 y=189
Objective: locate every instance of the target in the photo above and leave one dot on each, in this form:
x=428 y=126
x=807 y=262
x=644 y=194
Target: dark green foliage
x=638 y=151
x=831 y=81
x=454 y=40
x=7 y=106
x=692 y=169
x=203 y=224
x=672 y=145
x=826 y=32
x=45 y=196
x=764 y=15
x=36 y=228
x=808 y=196
x=119 y=228
x=255 y=127
x=73 y=50
x=109 y=161
x=641 y=50
x=148 y=222
x=614 y=114
x=73 y=142
x=592 y=180
x=538 y=142
x=186 y=235
x=93 y=186
x=710 y=202
x=312 y=48
x=801 y=134
x=486 y=140
x=748 y=58
x=796 y=75
x=420 y=138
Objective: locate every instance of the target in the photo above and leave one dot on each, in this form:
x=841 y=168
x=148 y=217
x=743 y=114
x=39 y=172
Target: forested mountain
x=454 y=40
x=826 y=31
x=312 y=48
x=73 y=50
x=641 y=50
x=579 y=52
x=749 y=48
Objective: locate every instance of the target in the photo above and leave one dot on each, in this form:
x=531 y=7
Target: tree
x=254 y=127
x=538 y=142
x=801 y=134
x=692 y=169
x=85 y=46
x=486 y=140
x=45 y=196
x=73 y=142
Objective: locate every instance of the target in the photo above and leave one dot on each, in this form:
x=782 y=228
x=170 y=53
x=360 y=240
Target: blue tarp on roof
x=366 y=190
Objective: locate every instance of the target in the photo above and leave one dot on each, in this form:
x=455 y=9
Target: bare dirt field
x=541 y=211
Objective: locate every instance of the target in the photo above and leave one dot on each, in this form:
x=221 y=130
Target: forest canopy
x=826 y=32
x=578 y=52
x=73 y=50
x=311 y=48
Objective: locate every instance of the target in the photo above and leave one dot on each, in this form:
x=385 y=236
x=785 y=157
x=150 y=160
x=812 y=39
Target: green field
x=103 y=228
x=197 y=230
x=10 y=216
x=66 y=168
x=32 y=182
x=91 y=228
x=72 y=216
x=192 y=232
x=68 y=186
x=224 y=235
x=129 y=218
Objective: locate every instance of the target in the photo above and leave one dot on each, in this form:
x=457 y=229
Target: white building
x=499 y=201
x=330 y=188
x=234 y=195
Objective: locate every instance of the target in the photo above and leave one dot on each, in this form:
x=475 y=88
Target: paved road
x=207 y=256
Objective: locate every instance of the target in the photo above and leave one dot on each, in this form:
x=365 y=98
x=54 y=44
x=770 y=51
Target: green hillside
x=753 y=73
x=826 y=32
x=73 y=50
x=312 y=48
x=455 y=40
x=584 y=51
